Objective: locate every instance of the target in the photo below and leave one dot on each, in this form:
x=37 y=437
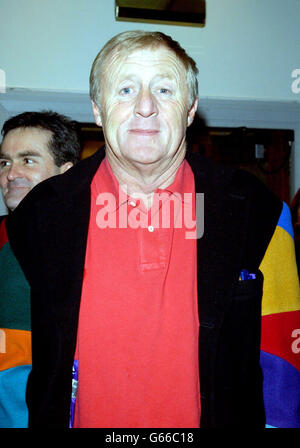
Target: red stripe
x=281 y=336
x=3 y=234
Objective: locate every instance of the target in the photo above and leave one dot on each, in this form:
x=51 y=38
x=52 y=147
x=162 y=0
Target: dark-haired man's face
x=25 y=161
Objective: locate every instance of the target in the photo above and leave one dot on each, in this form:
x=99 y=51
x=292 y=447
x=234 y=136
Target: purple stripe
x=281 y=392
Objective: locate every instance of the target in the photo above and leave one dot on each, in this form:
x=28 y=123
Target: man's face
x=25 y=161
x=144 y=107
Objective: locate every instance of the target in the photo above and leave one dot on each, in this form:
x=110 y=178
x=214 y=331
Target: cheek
x=40 y=173
x=2 y=179
x=115 y=116
x=34 y=177
x=175 y=115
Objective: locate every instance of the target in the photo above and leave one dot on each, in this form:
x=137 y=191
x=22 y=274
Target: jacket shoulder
x=263 y=212
x=223 y=180
x=256 y=208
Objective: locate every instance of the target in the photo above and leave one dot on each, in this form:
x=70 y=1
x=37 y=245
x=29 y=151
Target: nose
x=13 y=172
x=145 y=104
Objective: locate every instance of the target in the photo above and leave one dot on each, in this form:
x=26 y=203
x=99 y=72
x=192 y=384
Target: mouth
x=13 y=188
x=144 y=131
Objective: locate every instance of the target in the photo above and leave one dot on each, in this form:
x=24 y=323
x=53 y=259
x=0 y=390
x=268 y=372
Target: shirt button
x=151 y=228
x=132 y=203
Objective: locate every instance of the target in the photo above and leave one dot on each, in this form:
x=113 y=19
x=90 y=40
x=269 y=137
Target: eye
x=164 y=91
x=28 y=161
x=3 y=163
x=126 y=90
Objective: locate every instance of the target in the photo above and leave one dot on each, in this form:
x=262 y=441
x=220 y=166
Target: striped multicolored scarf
x=15 y=337
x=280 y=339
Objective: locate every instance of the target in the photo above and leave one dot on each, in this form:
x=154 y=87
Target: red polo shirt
x=137 y=342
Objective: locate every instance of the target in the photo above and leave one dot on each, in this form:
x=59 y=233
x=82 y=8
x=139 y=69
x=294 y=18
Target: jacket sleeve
x=280 y=333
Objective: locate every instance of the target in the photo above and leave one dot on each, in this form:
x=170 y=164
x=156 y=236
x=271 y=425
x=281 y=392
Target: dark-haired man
x=35 y=146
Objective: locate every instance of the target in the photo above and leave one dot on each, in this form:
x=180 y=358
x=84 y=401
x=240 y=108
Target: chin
x=144 y=160
x=145 y=155
x=13 y=203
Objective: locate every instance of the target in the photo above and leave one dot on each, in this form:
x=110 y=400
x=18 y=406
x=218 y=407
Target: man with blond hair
x=139 y=322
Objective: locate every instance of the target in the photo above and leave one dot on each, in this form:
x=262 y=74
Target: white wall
x=247 y=50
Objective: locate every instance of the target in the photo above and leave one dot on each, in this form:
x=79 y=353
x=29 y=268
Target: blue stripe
x=13 y=409
x=281 y=388
x=285 y=220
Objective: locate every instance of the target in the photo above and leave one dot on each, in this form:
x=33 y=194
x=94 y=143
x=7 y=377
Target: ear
x=192 y=112
x=97 y=115
x=63 y=168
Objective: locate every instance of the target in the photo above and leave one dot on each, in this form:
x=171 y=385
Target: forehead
x=20 y=139
x=146 y=62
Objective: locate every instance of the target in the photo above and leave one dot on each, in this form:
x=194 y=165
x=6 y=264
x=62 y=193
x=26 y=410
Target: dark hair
x=64 y=143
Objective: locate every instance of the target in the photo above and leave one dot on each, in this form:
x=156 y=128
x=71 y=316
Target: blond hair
x=129 y=41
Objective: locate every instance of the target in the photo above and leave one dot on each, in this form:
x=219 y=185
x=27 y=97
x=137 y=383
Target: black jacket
x=48 y=232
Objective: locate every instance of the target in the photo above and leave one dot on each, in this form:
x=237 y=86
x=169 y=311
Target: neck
x=141 y=180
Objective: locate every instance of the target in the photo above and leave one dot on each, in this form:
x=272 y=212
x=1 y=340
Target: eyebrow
x=20 y=155
x=160 y=76
x=168 y=75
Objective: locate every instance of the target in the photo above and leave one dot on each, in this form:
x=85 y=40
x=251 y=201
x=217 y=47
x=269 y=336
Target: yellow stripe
x=15 y=348
x=281 y=291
